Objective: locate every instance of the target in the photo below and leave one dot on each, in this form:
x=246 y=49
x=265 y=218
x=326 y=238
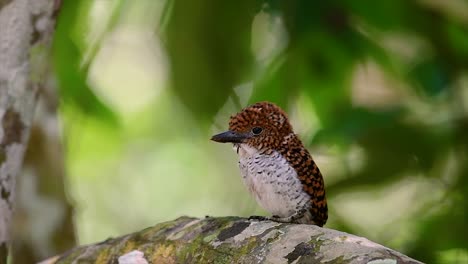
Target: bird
x=275 y=166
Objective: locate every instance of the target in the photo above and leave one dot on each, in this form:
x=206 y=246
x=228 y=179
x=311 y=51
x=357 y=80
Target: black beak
x=229 y=136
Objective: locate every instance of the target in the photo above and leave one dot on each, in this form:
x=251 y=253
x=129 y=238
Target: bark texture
x=43 y=223
x=26 y=27
x=233 y=240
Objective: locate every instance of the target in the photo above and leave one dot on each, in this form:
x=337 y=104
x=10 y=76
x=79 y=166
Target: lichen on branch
x=233 y=240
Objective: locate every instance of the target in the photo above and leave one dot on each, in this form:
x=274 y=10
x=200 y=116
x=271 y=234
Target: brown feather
x=310 y=176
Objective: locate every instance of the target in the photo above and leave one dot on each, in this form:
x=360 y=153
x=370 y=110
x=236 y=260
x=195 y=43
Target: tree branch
x=26 y=27
x=233 y=240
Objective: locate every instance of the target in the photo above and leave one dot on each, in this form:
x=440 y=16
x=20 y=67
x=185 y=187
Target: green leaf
x=209 y=48
x=430 y=76
x=71 y=75
x=394 y=148
x=386 y=15
x=278 y=83
x=352 y=124
x=457 y=36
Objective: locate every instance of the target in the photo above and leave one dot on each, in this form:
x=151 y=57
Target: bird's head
x=261 y=125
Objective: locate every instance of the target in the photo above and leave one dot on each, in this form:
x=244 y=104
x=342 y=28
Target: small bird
x=276 y=167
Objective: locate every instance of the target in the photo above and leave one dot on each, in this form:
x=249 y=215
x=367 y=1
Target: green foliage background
x=378 y=90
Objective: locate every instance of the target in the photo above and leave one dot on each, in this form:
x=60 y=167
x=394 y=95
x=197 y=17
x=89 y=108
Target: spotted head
x=262 y=126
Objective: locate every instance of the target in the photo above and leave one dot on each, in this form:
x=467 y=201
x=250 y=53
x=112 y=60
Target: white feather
x=272 y=181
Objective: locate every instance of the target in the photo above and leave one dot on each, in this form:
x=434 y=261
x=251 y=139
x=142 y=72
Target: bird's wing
x=311 y=178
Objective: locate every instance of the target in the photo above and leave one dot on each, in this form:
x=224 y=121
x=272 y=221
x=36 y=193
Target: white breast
x=272 y=181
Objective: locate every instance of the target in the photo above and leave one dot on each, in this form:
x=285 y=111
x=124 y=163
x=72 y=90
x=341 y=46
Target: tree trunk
x=43 y=223
x=26 y=28
x=233 y=240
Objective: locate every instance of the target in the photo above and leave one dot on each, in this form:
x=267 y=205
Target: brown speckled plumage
x=310 y=176
x=276 y=167
x=277 y=139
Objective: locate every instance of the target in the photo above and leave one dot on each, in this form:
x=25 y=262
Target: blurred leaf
x=430 y=77
x=317 y=59
x=458 y=39
x=461 y=126
x=352 y=124
x=387 y=15
x=326 y=48
x=209 y=46
x=279 y=83
x=326 y=78
x=436 y=34
x=71 y=75
x=378 y=54
x=270 y=6
x=441 y=229
x=407 y=146
x=393 y=148
x=118 y=8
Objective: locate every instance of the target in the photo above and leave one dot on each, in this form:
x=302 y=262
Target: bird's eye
x=257 y=130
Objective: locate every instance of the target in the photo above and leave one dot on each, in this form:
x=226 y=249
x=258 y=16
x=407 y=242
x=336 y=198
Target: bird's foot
x=258 y=218
x=290 y=219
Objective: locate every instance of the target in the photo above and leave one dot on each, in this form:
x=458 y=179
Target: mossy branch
x=233 y=240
